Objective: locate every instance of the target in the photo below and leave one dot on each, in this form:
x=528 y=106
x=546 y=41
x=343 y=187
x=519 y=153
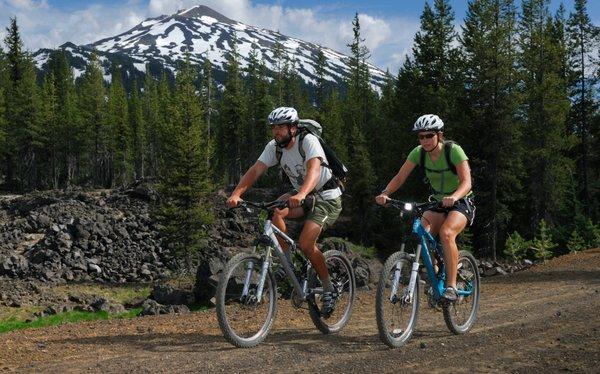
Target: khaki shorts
x=326 y=212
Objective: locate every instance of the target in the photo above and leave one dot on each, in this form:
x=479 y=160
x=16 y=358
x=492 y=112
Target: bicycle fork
x=414 y=273
x=261 y=280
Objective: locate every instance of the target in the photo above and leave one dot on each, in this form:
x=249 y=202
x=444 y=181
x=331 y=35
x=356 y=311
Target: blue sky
x=388 y=25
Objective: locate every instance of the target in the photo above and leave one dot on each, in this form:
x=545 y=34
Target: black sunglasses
x=426 y=136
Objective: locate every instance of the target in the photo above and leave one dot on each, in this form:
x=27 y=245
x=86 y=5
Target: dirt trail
x=544 y=319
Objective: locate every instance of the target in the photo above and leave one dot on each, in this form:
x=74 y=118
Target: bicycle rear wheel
x=461 y=314
x=343 y=280
x=396 y=312
x=245 y=321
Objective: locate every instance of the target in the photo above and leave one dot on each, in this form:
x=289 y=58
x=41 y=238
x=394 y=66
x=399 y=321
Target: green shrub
x=516 y=247
x=576 y=242
x=542 y=243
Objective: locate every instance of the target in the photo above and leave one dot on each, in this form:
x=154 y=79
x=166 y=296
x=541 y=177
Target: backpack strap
x=300 y=149
x=278 y=154
x=333 y=182
x=447 y=149
x=451 y=167
x=422 y=161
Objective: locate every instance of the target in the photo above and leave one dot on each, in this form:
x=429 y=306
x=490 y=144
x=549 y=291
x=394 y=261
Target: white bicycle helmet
x=283 y=115
x=428 y=122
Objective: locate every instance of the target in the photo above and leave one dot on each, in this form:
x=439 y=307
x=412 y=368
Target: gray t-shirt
x=291 y=162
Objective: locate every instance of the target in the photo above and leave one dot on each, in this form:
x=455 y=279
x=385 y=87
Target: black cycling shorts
x=466 y=206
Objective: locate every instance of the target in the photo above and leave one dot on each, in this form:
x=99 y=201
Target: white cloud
x=42 y=25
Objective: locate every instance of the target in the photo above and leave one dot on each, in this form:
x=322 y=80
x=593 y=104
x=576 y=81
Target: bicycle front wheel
x=396 y=306
x=461 y=314
x=244 y=318
x=343 y=280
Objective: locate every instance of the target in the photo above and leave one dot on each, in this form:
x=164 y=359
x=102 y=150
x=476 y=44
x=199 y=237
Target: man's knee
x=307 y=245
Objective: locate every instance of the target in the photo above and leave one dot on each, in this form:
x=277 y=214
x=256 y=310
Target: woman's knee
x=447 y=234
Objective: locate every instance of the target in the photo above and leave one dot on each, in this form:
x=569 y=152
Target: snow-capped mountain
x=204 y=33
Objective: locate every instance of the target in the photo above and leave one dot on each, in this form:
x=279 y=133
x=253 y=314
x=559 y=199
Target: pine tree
x=92 y=107
x=576 y=242
x=407 y=110
x=166 y=112
x=361 y=181
x=118 y=122
x=582 y=38
x=50 y=124
x=359 y=89
x=278 y=83
x=15 y=66
x=209 y=93
x=492 y=91
x=3 y=144
x=259 y=104
x=151 y=118
x=232 y=119
x=545 y=109
x=542 y=244
x=185 y=186
x=30 y=138
x=385 y=133
x=138 y=133
x=333 y=122
x=3 y=123
x=438 y=63
x=516 y=247
x=359 y=109
x=24 y=138
x=73 y=138
x=320 y=89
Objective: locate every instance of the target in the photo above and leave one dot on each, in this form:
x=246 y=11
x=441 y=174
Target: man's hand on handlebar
x=233 y=201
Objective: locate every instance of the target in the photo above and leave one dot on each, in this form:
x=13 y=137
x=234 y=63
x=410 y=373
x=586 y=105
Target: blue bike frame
x=422 y=250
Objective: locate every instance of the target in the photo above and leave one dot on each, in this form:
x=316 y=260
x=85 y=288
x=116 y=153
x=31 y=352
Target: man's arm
x=246 y=182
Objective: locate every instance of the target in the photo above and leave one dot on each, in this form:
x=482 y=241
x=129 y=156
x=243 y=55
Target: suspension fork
x=397 y=274
x=414 y=272
x=249 y=267
x=263 y=274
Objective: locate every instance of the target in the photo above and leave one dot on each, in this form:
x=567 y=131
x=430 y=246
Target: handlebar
x=279 y=204
x=411 y=207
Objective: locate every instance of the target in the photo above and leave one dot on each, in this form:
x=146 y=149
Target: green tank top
x=442 y=180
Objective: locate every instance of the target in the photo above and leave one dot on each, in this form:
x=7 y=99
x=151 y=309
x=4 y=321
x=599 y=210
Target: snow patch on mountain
x=201 y=33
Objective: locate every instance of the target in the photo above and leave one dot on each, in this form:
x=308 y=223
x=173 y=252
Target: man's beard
x=284 y=141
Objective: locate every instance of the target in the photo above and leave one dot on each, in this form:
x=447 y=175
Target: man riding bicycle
x=309 y=175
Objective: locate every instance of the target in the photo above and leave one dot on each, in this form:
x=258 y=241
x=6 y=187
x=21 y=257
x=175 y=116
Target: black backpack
x=335 y=164
x=451 y=167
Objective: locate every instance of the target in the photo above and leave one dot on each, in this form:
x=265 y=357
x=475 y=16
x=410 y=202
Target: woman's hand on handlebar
x=449 y=201
x=382 y=199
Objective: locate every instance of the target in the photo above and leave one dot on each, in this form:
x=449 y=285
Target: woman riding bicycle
x=449 y=177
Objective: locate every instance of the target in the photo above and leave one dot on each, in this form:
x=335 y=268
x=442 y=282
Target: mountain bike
x=397 y=300
x=247 y=290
